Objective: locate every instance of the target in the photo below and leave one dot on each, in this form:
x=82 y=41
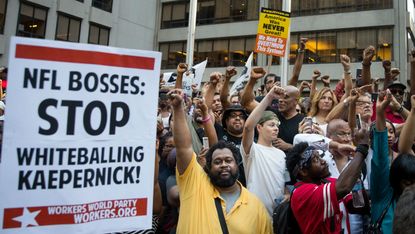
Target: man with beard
x=243 y=212
x=265 y=165
x=233 y=123
x=315 y=200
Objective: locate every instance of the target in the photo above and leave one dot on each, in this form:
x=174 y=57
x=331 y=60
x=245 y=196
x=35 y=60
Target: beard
x=221 y=182
x=235 y=131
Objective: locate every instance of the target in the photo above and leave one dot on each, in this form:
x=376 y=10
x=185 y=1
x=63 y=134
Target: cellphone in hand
x=358 y=121
x=309 y=122
x=205 y=142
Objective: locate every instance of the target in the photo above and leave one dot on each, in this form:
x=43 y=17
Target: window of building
x=98 y=34
x=220 y=52
x=32 y=21
x=3 y=8
x=238 y=10
x=105 y=5
x=80 y=0
x=222 y=11
x=384 y=45
x=205 y=12
x=237 y=55
x=326 y=47
x=364 y=38
x=252 y=10
x=203 y=50
x=172 y=54
x=321 y=47
x=314 y=7
x=68 y=28
x=346 y=44
x=293 y=47
x=176 y=14
x=164 y=49
x=326 y=6
x=277 y=4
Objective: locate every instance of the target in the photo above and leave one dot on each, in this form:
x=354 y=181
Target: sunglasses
x=397 y=91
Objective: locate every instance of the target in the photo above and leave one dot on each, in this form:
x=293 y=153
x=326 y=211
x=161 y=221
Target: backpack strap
x=221 y=217
x=382 y=216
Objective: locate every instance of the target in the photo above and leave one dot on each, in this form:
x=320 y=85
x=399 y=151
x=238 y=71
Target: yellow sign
x=273 y=30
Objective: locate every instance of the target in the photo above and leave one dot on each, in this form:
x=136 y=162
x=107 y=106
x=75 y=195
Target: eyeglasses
x=362 y=103
x=397 y=91
x=344 y=134
x=234 y=116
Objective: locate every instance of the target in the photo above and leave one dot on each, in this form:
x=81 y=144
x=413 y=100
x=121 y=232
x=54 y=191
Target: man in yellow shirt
x=243 y=212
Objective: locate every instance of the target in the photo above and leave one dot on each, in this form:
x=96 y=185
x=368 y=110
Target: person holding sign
x=199 y=188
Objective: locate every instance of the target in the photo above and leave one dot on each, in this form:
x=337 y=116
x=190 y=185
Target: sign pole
x=286 y=6
x=191 y=33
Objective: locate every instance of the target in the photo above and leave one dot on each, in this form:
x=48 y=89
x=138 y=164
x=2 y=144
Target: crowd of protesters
x=343 y=156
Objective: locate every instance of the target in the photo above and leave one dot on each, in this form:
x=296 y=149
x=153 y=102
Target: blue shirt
x=380 y=189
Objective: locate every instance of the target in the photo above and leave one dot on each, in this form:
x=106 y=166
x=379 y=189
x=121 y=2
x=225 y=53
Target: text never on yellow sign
x=273 y=29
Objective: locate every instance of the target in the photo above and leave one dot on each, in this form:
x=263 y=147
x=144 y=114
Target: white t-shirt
x=266 y=173
x=322 y=126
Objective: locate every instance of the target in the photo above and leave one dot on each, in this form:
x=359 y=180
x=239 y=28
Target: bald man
x=339 y=131
x=289 y=118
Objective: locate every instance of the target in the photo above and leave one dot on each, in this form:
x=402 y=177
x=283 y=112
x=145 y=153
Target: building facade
x=226 y=31
x=118 y=23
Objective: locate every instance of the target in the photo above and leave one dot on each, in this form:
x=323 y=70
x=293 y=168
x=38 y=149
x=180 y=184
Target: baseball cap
x=397 y=84
x=268 y=115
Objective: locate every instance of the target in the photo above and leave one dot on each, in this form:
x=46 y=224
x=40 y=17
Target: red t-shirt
x=394 y=118
x=4 y=84
x=316 y=207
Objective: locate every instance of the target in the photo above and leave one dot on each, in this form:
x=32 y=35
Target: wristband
x=363 y=149
x=366 y=64
x=206 y=120
x=300 y=51
x=347 y=72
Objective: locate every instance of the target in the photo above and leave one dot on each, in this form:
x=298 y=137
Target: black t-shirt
x=289 y=127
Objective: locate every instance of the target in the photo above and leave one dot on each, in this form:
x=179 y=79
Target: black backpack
x=283 y=219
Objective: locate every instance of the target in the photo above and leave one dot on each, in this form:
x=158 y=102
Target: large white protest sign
x=192 y=77
x=79 y=140
x=244 y=77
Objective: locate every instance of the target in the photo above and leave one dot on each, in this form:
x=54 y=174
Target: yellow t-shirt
x=198 y=212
